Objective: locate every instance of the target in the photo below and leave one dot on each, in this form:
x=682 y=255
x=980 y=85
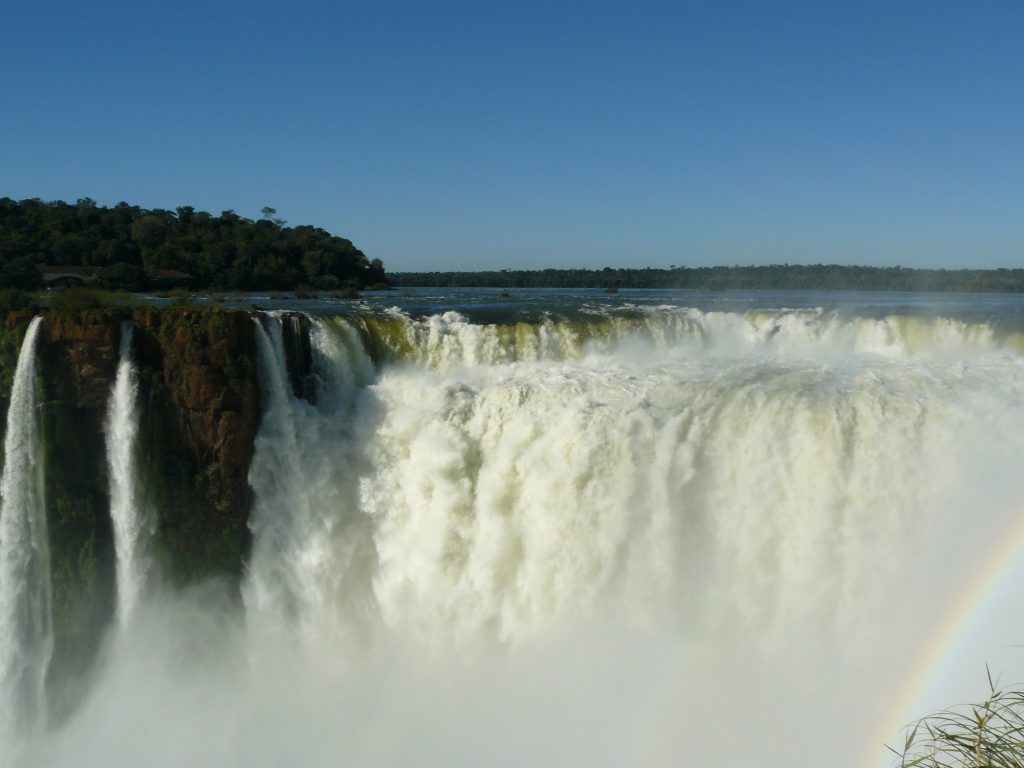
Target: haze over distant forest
x=773 y=276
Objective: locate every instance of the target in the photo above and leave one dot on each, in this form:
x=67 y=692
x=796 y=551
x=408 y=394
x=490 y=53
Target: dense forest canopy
x=129 y=244
x=221 y=252
x=777 y=276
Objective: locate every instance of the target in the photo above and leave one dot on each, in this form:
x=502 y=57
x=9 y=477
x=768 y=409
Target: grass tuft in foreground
x=986 y=735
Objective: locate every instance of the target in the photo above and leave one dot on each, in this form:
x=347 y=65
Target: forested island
x=130 y=248
x=819 y=277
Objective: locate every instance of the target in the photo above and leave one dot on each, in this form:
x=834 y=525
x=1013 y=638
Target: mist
x=715 y=540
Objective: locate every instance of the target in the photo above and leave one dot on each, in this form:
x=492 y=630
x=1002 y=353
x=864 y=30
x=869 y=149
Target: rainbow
x=944 y=639
x=936 y=656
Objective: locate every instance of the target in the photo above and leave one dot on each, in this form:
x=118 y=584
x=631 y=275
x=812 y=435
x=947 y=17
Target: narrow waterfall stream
x=131 y=521
x=26 y=639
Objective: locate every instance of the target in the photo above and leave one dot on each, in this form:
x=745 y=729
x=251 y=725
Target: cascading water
x=26 y=634
x=744 y=482
x=509 y=481
x=772 y=457
x=448 y=340
x=131 y=521
x=649 y=536
x=305 y=518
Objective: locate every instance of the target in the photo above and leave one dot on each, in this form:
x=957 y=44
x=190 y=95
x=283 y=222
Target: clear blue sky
x=493 y=135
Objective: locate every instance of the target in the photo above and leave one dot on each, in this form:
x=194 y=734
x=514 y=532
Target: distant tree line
x=777 y=276
x=225 y=252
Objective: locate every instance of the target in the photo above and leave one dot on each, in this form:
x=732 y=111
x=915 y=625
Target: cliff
x=200 y=396
x=199 y=412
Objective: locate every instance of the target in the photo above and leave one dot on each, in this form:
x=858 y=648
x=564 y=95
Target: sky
x=494 y=135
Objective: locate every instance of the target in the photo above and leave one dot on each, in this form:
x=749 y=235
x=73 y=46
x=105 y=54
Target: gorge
x=243 y=535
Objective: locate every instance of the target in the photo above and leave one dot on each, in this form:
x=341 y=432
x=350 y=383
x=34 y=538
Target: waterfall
x=305 y=546
x=131 y=523
x=507 y=478
x=572 y=539
x=276 y=473
x=449 y=340
x=26 y=638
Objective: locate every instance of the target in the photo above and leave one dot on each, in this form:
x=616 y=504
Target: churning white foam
x=689 y=538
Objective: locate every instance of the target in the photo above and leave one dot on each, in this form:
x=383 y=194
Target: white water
x=778 y=490
x=448 y=340
x=688 y=539
x=132 y=524
x=26 y=639
x=706 y=492
x=308 y=533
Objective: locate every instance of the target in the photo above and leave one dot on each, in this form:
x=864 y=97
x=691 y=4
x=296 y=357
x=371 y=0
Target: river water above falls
x=565 y=529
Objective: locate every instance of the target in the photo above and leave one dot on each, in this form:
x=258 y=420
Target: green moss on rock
x=199 y=411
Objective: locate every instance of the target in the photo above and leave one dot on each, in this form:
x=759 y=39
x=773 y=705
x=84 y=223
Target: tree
x=21 y=273
x=224 y=251
x=148 y=231
x=270 y=214
x=125 y=276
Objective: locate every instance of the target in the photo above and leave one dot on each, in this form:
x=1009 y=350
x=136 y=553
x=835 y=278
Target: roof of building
x=69 y=269
x=168 y=273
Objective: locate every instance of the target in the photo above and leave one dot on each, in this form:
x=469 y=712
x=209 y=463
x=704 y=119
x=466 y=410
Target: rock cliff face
x=199 y=412
x=200 y=399
x=77 y=361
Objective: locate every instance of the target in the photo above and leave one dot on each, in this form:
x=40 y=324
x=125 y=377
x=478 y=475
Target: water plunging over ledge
x=574 y=536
